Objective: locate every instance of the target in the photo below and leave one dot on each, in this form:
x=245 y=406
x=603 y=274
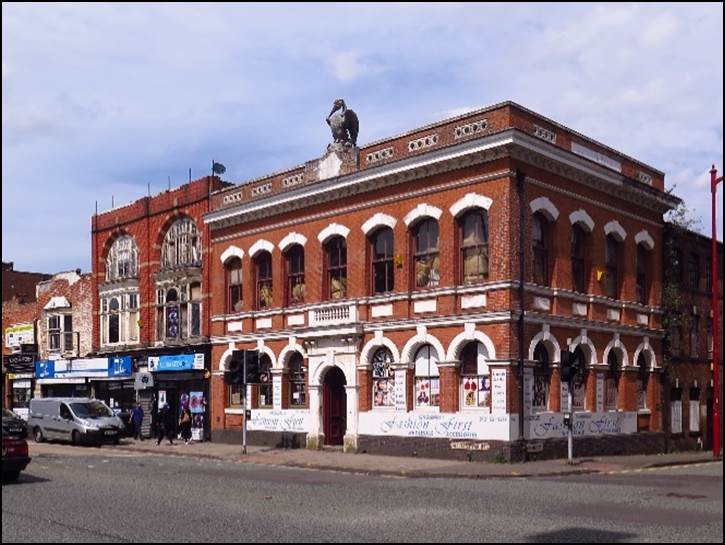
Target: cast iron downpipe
x=520 y=178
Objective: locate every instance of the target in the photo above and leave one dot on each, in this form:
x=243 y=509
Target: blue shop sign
x=176 y=362
x=120 y=366
x=44 y=369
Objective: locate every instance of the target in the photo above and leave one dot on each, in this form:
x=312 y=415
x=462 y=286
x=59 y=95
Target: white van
x=77 y=420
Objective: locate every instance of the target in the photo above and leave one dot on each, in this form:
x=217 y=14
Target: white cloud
x=349 y=66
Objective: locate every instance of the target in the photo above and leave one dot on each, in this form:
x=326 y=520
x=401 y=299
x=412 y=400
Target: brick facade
x=440 y=172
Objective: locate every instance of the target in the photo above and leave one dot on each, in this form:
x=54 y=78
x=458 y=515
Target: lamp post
x=714 y=180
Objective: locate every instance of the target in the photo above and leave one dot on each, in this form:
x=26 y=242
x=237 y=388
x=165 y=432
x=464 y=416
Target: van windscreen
x=92 y=409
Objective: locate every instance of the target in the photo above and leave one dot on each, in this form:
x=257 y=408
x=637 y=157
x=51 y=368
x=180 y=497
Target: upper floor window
x=182 y=245
x=336 y=265
x=642 y=274
x=473 y=229
x=295 y=259
x=122 y=259
x=119 y=318
x=540 y=243
x=426 y=257
x=611 y=263
x=60 y=332
x=263 y=273
x=178 y=311
x=233 y=269
x=578 y=263
x=708 y=272
x=694 y=336
x=693 y=272
x=382 y=260
x=383 y=378
x=475 y=377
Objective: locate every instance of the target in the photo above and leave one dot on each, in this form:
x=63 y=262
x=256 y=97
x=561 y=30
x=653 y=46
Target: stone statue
x=344 y=124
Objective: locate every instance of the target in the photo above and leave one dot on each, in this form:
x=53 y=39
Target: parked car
x=78 y=420
x=15 y=455
x=14 y=425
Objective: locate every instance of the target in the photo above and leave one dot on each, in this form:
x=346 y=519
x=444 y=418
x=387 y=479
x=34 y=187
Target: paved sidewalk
x=333 y=460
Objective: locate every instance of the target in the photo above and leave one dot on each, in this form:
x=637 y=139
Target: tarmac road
x=87 y=495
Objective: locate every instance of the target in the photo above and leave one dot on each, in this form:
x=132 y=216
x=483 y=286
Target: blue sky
x=100 y=100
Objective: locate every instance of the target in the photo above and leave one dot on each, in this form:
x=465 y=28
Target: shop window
x=236 y=395
x=265 y=389
x=383 y=378
x=475 y=377
x=542 y=377
x=642 y=380
x=614 y=368
x=427 y=378
x=579 y=384
x=297 y=381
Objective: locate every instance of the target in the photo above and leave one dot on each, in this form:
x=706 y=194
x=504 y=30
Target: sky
x=101 y=100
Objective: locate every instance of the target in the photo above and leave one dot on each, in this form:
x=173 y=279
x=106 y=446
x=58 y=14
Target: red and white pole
x=714 y=180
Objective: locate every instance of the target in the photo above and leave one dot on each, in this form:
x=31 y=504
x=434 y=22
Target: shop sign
x=19 y=334
x=143 y=381
x=176 y=362
x=120 y=366
x=89 y=368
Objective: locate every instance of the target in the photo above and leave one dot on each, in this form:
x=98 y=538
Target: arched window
x=426 y=257
x=297 y=381
x=540 y=243
x=642 y=267
x=473 y=233
x=264 y=389
x=263 y=273
x=234 y=285
x=614 y=369
x=182 y=245
x=475 y=377
x=295 y=263
x=383 y=378
x=427 y=378
x=542 y=376
x=611 y=261
x=122 y=260
x=381 y=242
x=579 y=384
x=642 y=379
x=579 y=272
x=336 y=265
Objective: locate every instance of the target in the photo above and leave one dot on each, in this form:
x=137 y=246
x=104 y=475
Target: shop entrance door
x=335 y=407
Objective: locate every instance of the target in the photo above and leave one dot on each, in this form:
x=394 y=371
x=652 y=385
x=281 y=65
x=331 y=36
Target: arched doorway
x=334 y=406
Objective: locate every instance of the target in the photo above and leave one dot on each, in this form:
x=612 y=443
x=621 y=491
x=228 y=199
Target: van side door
x=66 y=425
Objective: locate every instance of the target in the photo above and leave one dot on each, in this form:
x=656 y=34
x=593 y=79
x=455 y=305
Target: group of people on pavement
x=165 y=426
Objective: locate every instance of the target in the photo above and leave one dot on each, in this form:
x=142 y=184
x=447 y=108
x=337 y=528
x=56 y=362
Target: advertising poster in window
x=498 y=392
x=676 y=416
x=694 y=416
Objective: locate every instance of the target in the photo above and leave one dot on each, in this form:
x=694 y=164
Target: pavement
x=370 y=464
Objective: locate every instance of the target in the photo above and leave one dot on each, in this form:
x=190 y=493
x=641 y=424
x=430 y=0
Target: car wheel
x=10 y=476
x=76 y=437
x=38 y=435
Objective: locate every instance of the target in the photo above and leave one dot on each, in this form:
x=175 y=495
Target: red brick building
x=381 y=286
x=688 y=351
x=151 y=294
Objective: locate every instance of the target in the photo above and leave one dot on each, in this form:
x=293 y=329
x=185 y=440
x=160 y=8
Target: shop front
x=181 y=381
x=19 y=369
x=82 y=377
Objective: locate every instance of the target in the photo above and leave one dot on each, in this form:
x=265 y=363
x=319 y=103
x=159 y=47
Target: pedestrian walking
x=136 y=421
x=166 y=425
x=185 y=425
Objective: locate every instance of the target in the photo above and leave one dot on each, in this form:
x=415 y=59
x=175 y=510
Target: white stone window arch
x=292 y=239
x=182 y=245
x=259 y=246
x=580 y=217
x=545 y=207
x=469 y=201
x=421 y=211
x=334 y=229
x=470 y=334
x=550 y=342
x=122 y=259
x=615 y=229
x=378 y=341
x=230 y=252
x=645 y=239
x=378 y=220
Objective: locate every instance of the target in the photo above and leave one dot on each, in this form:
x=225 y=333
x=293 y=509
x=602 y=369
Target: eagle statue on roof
x=343 y=124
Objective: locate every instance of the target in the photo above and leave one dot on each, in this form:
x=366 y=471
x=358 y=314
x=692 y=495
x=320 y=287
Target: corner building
x=381 y=286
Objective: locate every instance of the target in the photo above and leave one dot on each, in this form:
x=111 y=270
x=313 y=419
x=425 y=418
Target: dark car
x=15 y=456
x=14 y=425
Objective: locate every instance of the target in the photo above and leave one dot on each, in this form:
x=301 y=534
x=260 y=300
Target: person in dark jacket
x=136 y=420
x=185 y=425
x=166 y=425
